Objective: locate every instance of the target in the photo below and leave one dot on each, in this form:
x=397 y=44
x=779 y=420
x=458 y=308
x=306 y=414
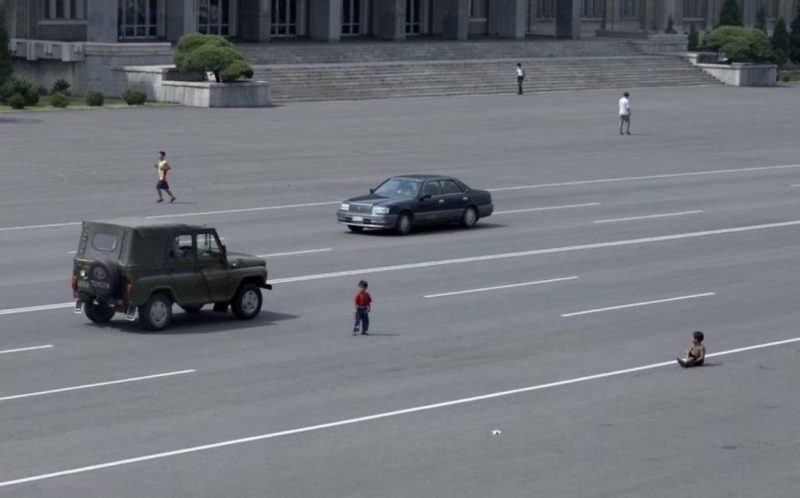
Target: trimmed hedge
x=29 y=91
x=739 y=44
x=197 y=52
x=58 y=99
x=16 y=101
x=134 y=97
x=94 y=98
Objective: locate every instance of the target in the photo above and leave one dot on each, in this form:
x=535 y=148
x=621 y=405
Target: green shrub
x=61 y=86
x=134 y=97
x=694 y=39
x=730 y=15
x=16 y=101
x=58 y=99
x=28 y=90
x=43 y=91
x=739 y=44
x=211 y=53
x=5 y=54
x=94 y=98
x=780 y=43
x=794 y=37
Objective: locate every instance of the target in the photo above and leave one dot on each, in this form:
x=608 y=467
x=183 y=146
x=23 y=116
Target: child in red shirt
x=363 y=303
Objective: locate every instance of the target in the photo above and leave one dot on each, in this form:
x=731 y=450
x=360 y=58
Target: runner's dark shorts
x=162 y=185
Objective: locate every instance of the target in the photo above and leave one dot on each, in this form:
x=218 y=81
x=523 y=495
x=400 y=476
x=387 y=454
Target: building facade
x=112 y=21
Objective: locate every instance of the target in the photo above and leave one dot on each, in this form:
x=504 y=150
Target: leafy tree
x=5 y=55
x=780 y=43
x=739 y=44
x=199 y=52
x=694 y=39
x=730 y=14
x=761 y=19
x=794 y=37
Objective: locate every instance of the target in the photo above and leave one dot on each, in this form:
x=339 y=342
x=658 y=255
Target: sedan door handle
x=441 y=201
x=465 y=198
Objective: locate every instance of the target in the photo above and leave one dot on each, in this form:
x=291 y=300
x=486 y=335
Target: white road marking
x=243 y=210
x=537 y=252
x=647 y=177
x=487 y=257
x=635 y=305
x=547 y=208
x=29 y=309
x=650 y=216
x=294 y=253
x=796 y=185
x=377 y=416
x=498 y=287
x=72 y=252
x=98 y=384
x=32 y=227
x=32 y=348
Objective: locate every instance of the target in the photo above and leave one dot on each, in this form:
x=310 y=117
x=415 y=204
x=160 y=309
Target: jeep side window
x=207 y=245
x=182 y=247
x=104 y=242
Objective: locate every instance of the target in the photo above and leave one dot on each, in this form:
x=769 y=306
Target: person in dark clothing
x=363 y=305
x=696 y=354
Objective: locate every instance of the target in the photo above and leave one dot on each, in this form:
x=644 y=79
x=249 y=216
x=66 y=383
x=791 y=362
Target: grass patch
x=789 y=77
x=77 y=102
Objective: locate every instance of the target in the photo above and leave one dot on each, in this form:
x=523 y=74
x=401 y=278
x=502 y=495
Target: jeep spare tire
x=104 y=278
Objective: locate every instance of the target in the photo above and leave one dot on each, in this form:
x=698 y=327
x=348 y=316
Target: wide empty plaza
x=532 y=355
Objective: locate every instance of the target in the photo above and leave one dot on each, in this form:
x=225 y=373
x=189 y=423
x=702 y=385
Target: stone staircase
x=371 y=70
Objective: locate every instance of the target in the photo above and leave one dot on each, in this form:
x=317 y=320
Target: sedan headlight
x=345 y=206
x=380 y=210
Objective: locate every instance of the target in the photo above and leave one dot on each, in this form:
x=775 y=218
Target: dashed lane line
x=547 y=208
x=500 y=287
x=31 y=348
x=639 y=304
x=374 y=417
x=650 y=216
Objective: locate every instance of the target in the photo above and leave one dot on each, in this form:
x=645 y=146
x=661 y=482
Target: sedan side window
x=432 y=188
x=182 y=247
x=451 y=187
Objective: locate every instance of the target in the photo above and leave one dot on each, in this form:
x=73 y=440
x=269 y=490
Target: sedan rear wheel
x=469 y=218
x=404 y=224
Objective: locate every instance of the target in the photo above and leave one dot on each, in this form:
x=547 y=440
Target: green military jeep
x=142 y=267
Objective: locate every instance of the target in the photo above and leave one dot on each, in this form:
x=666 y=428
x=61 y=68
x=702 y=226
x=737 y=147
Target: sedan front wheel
x=404 y=224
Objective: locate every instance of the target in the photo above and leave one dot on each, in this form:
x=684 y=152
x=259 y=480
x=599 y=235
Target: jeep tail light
x=74 y=283
x=128 y=294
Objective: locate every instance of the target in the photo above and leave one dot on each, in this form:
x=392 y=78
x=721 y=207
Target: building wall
x=253 y=20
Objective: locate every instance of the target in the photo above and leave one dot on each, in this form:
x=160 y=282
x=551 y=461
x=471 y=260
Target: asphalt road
x=616 y=249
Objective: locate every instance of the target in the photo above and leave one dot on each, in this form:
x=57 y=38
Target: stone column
x=190 y=16
x=325 y=19
x=568 y=19
x=390 y=19
x=455 y=19
x=512 y=16
x=749 y=9
x=649 y=19
x=255 y=20
x=102 y=23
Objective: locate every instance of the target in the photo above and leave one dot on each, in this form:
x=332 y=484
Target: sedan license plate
x=358 y=218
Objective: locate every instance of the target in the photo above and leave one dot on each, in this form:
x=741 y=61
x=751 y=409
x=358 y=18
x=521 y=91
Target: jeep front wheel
x=156 y=314
x=98 y=313
x=247 y=302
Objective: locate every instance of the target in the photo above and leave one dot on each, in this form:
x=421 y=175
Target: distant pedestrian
x=696 y=354
x=625 y=113
x=162 y=167
x=520 y=78
x=363 y=304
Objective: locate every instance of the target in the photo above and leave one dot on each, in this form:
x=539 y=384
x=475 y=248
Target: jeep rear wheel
x=247 y=302
x=98 y=313
x=156 y=314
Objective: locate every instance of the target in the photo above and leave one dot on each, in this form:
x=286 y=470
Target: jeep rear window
x=104 y=242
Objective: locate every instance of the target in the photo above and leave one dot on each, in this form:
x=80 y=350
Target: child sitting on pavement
x=696 y=354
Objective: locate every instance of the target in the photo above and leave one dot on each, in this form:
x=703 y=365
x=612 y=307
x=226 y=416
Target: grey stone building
x=113 y=21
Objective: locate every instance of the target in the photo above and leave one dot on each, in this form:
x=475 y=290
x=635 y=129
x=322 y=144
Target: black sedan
x=403 y=202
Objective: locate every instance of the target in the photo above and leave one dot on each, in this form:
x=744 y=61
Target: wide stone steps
x=384 y=80
x=368 y=51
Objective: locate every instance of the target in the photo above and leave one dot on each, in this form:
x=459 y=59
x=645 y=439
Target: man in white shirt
x=520 y=78
x=625 y=113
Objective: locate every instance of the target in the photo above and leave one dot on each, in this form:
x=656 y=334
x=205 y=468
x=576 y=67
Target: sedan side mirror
x=372 y=191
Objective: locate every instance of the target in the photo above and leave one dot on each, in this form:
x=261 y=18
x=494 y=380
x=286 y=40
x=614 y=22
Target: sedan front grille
x=360 y=208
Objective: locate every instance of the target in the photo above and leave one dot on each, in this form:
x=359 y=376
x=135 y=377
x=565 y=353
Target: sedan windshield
x=398 y=187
